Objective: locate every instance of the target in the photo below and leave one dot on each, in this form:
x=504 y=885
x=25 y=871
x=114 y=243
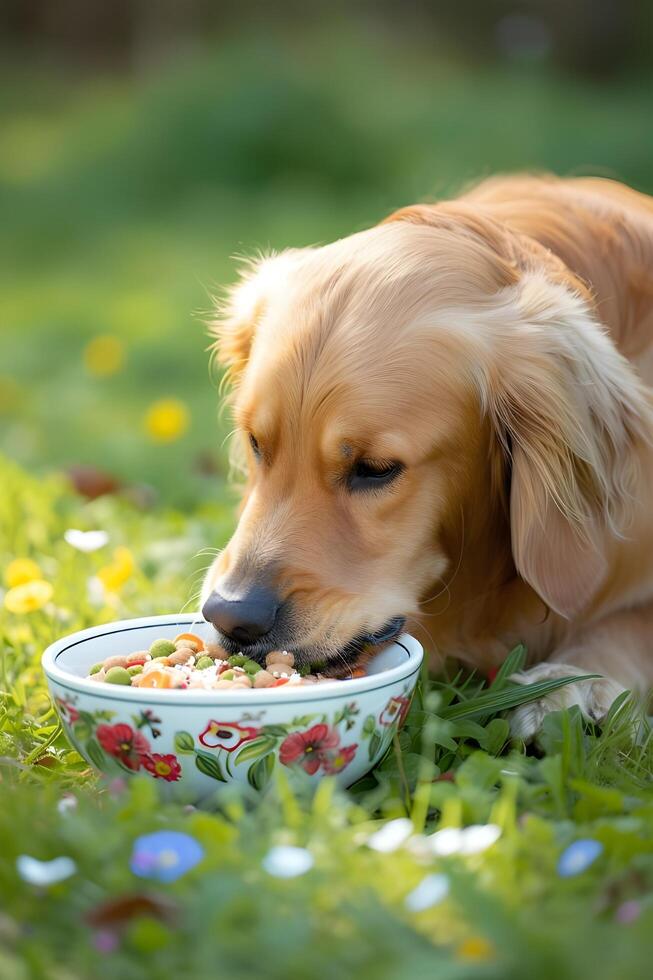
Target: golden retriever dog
x=447 y=421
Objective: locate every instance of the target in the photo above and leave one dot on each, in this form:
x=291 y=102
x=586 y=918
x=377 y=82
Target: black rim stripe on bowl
x=125 y=629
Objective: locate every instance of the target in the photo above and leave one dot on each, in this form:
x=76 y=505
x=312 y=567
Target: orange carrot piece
x=153 y=678
x=197 y=640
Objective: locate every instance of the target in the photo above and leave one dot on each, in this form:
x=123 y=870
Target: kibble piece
x=182 y=655
x=118 y=675
x=140 y=657
x=242 y=681
x=280 y=657
x=203 y=662
x=214 y=651
x=190 y=645
x=190 y=640
x=251 y=667
x=134 y=669
x=263 y=679
x=162 y=648
x=114 y=662
x=99 y=676
x=96 y=668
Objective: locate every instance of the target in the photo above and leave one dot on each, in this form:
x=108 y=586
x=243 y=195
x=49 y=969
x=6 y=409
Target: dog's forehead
x=351 y=334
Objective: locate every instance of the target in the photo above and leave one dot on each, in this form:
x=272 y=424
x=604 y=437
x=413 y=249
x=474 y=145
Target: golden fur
x=500 y=346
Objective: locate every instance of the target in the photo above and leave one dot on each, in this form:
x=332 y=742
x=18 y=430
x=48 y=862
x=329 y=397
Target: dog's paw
x=592 y=697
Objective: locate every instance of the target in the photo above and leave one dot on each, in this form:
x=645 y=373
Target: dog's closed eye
x=256 y=449
x=368 y=474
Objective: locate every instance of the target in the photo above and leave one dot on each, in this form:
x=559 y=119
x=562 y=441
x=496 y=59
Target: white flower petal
x=478 y=837
x=86 y=540
x=96 y=591
x=431 y=891
x=286 y=861
x=67 y=803
x=447 y=841
x=391 y=836
x=43 y=873
x=472 y=840
x=420 y=847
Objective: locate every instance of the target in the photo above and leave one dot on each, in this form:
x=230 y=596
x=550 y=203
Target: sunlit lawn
x=122 y=202
x=522 y=906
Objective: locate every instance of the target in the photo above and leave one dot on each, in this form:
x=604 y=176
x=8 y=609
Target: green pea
x=162 y=648
x=118 y=675
x=96 y=668
x=203 y=662
x=251 y=667
x=238 y=660
x=228 y=675
x=134 y=669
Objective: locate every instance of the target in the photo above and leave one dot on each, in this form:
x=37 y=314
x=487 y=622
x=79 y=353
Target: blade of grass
x=492 y=702
x=514 y=662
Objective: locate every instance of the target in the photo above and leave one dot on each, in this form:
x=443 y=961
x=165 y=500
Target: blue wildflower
x=165 y=855
x=578 y=857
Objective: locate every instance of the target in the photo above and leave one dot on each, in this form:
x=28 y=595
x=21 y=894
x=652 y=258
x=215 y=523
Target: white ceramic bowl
x=193 y=742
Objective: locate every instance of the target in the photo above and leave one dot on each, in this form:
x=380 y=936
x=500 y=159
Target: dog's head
x=372 y=380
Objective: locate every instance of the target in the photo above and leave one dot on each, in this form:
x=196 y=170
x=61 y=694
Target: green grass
x=508 y=914
x=123 y=201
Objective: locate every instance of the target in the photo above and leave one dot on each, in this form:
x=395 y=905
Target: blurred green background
x=144 y=144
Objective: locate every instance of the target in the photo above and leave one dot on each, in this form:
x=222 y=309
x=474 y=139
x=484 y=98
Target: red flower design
x=162 y=766
x=309 y=747
x=395 y=711
x=67 y=710
x=336 y=761
x=226 y=735
x=124 y=743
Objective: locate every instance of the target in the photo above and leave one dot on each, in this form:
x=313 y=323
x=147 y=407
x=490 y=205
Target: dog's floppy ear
x=568 y=411
x=237 y=317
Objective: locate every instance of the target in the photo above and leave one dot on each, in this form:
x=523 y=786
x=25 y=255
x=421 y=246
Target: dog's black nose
x=245 y=619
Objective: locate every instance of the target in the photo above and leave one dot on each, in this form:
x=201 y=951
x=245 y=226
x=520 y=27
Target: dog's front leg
x=619 y=648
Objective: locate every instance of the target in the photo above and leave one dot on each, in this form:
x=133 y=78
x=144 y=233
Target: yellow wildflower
x=117 y=572
x=29 y=596
x=475 y=948
x=21 y=570
x=104 y=355
x=166 y=420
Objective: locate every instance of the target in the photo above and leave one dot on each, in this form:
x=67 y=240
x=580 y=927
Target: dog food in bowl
x=187 y=662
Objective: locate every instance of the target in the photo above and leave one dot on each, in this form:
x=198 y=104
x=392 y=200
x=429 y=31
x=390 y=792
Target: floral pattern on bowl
x=310 y=741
